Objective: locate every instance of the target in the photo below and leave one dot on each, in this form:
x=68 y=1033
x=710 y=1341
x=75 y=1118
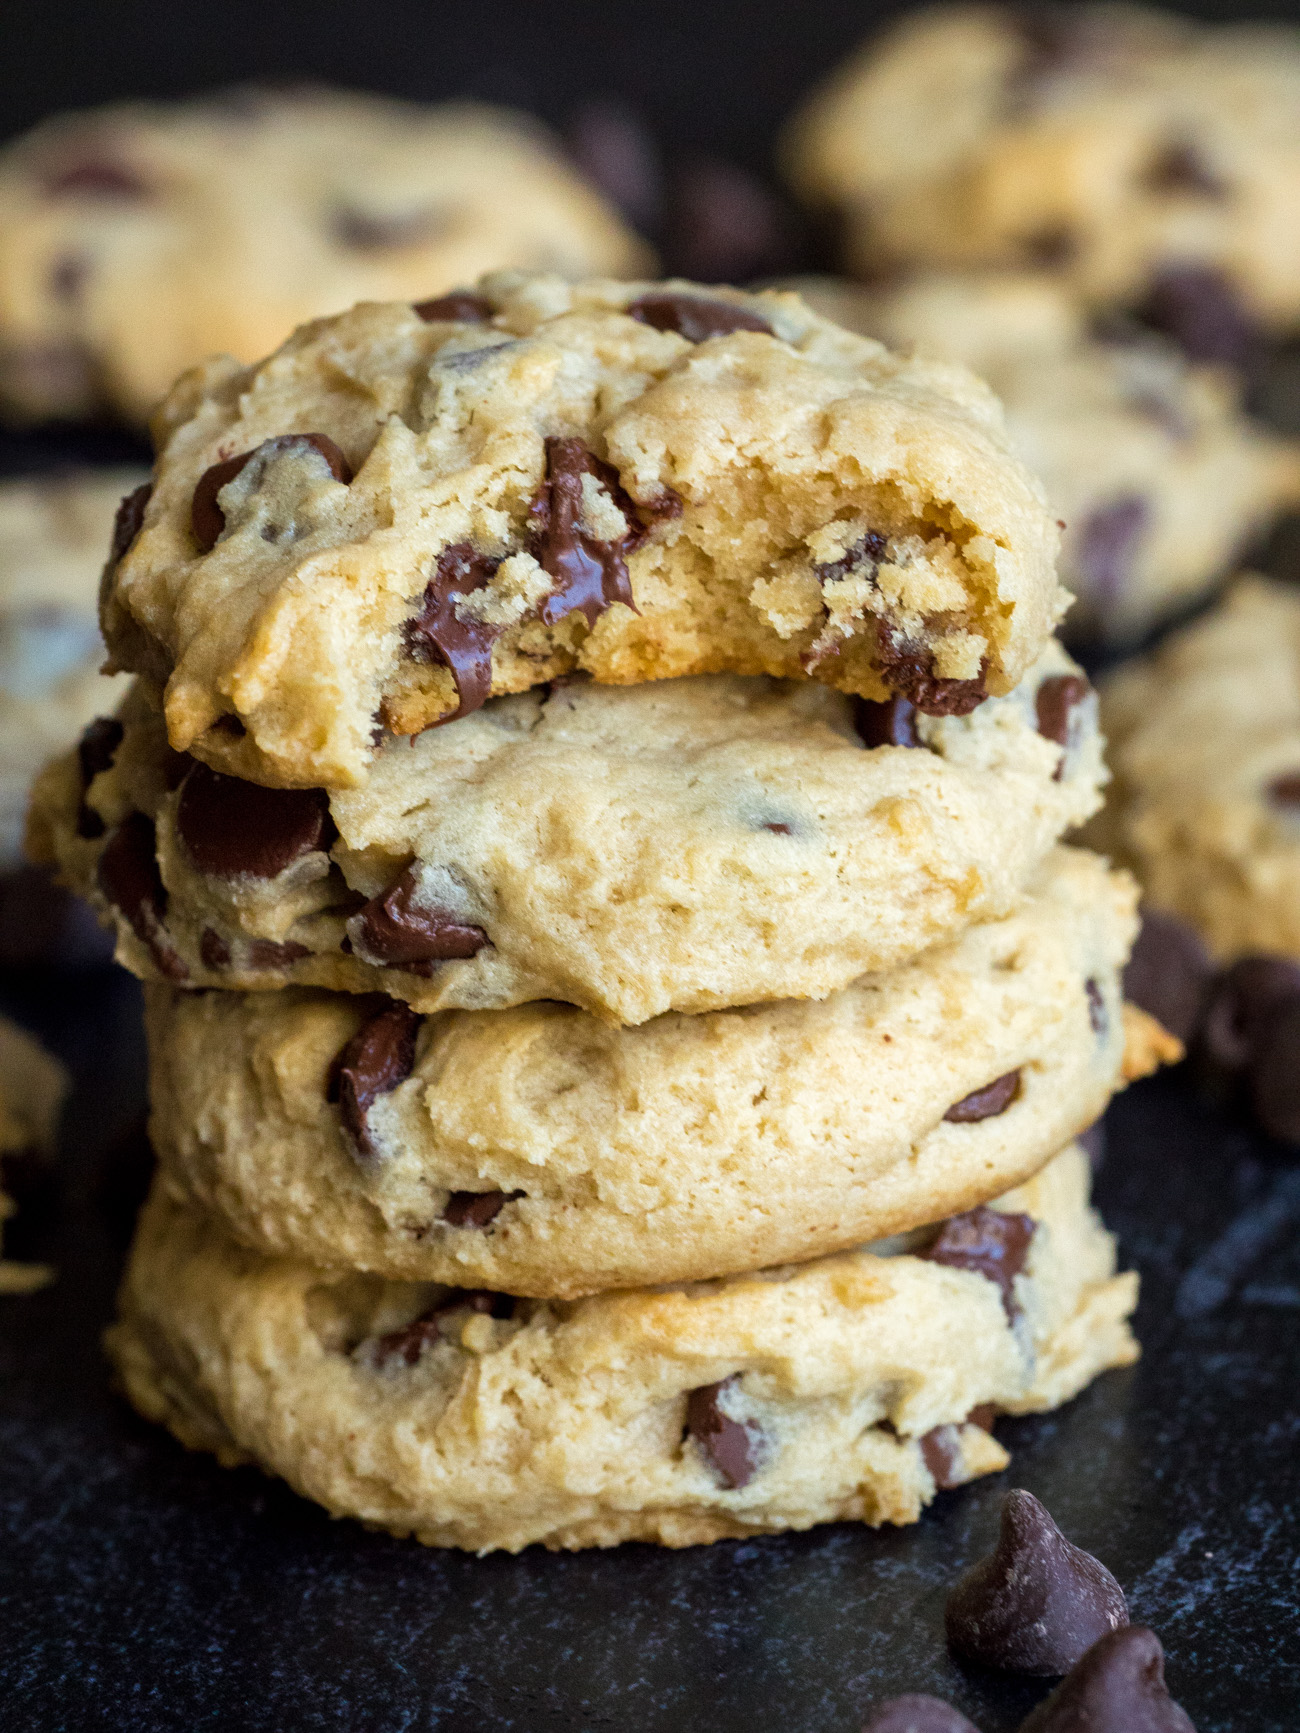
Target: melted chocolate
x=1055 y=700
x=377 y=1058
x=438 y=634
x=892 y=723
x=908 y=670
x=128 y=876
x=207 y=520
x=394 y=928
x=231 y=828
x=589 y=575
x=96 y=751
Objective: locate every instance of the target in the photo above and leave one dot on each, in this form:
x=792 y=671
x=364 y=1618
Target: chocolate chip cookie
x=543 y=1152
x=1159 y=477
x=681 y=845
x=408 y=509
x=1146 y=159
x=137 y=239
x=854 y=1387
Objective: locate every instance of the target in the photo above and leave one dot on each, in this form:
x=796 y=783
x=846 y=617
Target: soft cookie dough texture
x=32 y=1089
x=562 y=479
x=681 y=845
x=1205 y=744
x=1160 y=478
x=838 y=1390
x=1109 y=141
x=54 y=531
x=138 y=239
x=688 y=1147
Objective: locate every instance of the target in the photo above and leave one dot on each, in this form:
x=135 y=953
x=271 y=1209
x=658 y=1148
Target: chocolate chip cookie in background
x=409 y=509
x=618 y=848
x=54 y=530
x=137 y=239
x=1147 y=160
x=1160 y=479
x=840 y=1389
x=538 y=1151
x=32 y=1089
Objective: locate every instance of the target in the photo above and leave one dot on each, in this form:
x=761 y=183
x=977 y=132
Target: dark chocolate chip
x=732 y=1446
x=891 y=723
x=618 y=151
x=459 y=308
x=941 y=1453
x=1180 y=168
x=95 y=177
x=476 y=1209
x=1202 y=311
x=861 y=560
x=986 y=1103
x=232 y=829
x=128 y=522
x=1169 y=972
x=589 y=575
x=1243 y=1001
x=724 y=226
x=1275 y=1075
x=207 y=520
x=128 y=876
x=1096 y=1007
x=1285 y=790
x=377 y=1058
x=214 y=952
x=438 y=634
x=274 y=954
x=96 y=751
x=395 y=928
x=1118 y=1687
x=990 y=1242
x=916 y=1714
x=779 y=829
x=408 y=1343
x=382 y=231
x=1036 y=1604
x=1054 y=703
x=694 y=317
x=1108 y=544
x=908 y=670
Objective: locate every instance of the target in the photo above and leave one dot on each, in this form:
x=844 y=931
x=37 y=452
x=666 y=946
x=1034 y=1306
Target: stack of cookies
x=589 y=816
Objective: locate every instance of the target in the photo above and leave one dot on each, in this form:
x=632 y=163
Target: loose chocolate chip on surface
x=1169 y=972
x=438 y=634
x=732 y=1446
x=908 y=670
x=476 y=1209
x=128 y=523
x=128 y=876
x=916 y=1714
x=95 y=753
x=96 y=178
x=1118 y=1687
x=1181 y=168
x=694 y=317
x=990 y=1242
x=394 y=927
x=1096 y=1007
x=589 y=574
x=1275 y=1075
x=1202 y=311
x=985 y=1103
x=1243 y=1001
x=1055 y=700
x=892 y=723
x=460 y=308
x=618 y=151
x=408 y=1343
x=1108 y=544
x=377 y=1058
x=207 y=520
x=1036 y=1604
x=232 y=829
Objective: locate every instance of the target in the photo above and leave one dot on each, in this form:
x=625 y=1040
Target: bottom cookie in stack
x=854 y=1386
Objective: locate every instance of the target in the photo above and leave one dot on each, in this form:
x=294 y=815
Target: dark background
x=142 y=1588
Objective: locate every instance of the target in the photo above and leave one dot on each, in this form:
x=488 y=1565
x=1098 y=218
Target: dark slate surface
x=142 y=1588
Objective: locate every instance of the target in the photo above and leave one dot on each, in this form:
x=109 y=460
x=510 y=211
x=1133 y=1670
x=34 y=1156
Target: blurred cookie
x=1143 y=157
x=136 y=240
x=539 y=1151
x=32 y=1089
x=408 y=510
x=1160 y=479
x=852 y=1388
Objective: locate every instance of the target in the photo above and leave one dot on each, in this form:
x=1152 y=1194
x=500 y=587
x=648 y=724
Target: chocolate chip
x=438 y=634
x=207 y=520
x=1180 y=168
x=235 y=829
x=1243 y=1001
x=858 y=561
x=395 y=927
x=95 y=178
x=985 y=1103
x=459 y=308
x=1108 y=544
x=1036 y=1604
x=891 y=723
x=1054 y=703
x=732 y=1446
x=941 y=1453
x=589 y=575
x=694 y=317
x=1285 y=790
x=617 y=151
x=408 y=1343
x=214 y=952
x=1096 y=1007
x=128 y=876
x=916 y=1714
x=128 y=522
x=1169 y=972
x=274 y=954
x=377 y=1058
x=381 y=231
x=990 y=1242
x=1275 y=1075
x=908 y=670
x=1202 y=311
x=476 y=1209
x=96 y=751
x=1118 y=1687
